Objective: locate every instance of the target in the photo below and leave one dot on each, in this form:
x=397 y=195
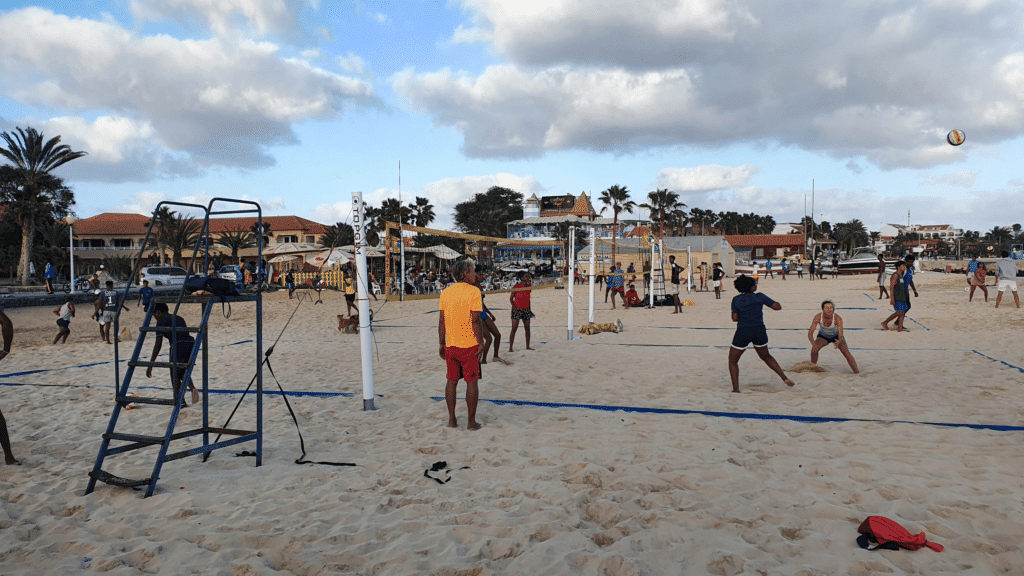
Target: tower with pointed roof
x=531 y=208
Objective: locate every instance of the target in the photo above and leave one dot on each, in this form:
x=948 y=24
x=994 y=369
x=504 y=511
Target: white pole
x=71 y=246
x=363 y=303
x=593 y=258
x=650 y=288
x=689 y=270
x=570 y=277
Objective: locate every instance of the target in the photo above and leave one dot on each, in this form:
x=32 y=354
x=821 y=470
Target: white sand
x=549 y=490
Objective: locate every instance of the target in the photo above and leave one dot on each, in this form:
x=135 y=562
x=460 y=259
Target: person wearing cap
x=830 y=331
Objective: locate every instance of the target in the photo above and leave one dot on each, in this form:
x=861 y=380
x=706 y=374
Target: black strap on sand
x=266 y=360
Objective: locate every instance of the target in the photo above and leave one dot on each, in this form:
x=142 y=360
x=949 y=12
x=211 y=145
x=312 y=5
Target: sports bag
x=889 y=535
x=211 y=284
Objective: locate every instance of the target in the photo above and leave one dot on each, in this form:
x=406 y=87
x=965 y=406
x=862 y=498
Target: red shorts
x=462 y=363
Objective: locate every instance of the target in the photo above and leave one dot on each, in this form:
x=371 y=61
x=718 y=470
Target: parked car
x=232 y=273
x=163 y=275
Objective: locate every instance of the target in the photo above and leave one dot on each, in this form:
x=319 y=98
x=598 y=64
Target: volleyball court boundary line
x=743 y=415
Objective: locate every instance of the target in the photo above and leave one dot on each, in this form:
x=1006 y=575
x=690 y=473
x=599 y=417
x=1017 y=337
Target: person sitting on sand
x=750 y=328
x=631 y=298
x=64 y=315
x=899 y=298
x=7 y=329
x=830 y=332
x=978 y=279
x=460 y=333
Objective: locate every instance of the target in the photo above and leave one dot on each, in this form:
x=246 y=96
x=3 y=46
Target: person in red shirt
x=460 y=333
x=520 y=301
x=631 y=298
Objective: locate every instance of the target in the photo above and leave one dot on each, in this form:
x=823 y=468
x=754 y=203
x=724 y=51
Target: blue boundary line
x=774 y=347
x=919 y=324
x=745 y=415
x=869 y=296
x=998 y=360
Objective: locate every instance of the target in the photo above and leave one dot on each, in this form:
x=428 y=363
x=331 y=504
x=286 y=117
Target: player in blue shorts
x=750 y=329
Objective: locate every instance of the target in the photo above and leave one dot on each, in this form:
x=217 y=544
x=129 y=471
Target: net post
x=593 y=258
x=362 y=298
x=570 y=284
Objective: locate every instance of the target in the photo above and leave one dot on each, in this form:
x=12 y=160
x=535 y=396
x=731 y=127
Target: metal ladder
x=201 y=342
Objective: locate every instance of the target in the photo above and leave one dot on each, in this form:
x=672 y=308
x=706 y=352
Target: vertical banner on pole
x=362 y=294
x=570 y=277
x=593 y=260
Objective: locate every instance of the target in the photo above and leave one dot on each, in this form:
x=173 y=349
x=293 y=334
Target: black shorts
x=828 y=339
x=350 y=297
x=63 y=323
x=756 y=335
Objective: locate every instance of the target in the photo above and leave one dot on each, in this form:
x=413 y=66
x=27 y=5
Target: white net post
x=570 y=284
x=363 y=304
x=593 y=260
x=689 y=270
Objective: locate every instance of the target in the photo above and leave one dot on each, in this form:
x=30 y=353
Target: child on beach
x=830 y=332
x=750 y=329
x=631 y=298
x=64 y=315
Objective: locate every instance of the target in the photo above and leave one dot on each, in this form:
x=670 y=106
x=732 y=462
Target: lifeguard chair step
x=108 y=478
x=142 y=400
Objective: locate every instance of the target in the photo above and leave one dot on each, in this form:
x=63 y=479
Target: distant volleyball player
x=460 y=334
x=750 y=329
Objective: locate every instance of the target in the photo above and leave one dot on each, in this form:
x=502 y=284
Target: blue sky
x=733 y=105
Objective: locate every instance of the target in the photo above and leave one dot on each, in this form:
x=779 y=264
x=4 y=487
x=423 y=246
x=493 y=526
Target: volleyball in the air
x=955 y=137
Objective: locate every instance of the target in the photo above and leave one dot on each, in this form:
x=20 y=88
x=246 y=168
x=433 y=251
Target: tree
x=617 y=198
x=421 y=212
x=489 y=213
x=561 y=233
x=999 y=238
x=1016 y=231
x=236 y=240
x=850 y=234
x=28 y=188
x=703 y=218
x=51 y=245
x=341 y=234
x=161 y=222
x=266 y=233
x=663 y=205
x=182 y=233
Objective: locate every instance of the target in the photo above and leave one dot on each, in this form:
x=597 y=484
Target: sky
x=733 y=105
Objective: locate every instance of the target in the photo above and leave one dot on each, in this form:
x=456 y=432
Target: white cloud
x=379 y=17
x=352 y=64
x=145 y=201
x=167 y=106
x=857 y=81
x=958 y=179
x=705 y=178
x=260 y=17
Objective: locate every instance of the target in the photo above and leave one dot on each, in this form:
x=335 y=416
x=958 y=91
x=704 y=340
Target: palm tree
x=340 y=234
x=617 y=198
x=266 y=235
x=999 y=237
x=662 y=204
x=236 y=240
x=162 y=219
x=181 y=234
x=30 y=191
x=704 y=218
x=421 y=212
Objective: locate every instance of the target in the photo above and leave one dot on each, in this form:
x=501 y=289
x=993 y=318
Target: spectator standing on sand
x=64 y=315
x=811 y=269
x=882 y=280
x=978 y=281
x=674 y=280
x=784 y=268
x=50 y=275
x=145 y=296
x=520 y=301
x=1006 y=273
x=716 y=279
x=768 y=269
x=289 y=283
x=750 y=329
x=617 y=280
x=460 y=332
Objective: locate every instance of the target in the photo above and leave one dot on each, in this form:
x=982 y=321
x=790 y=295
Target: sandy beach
x=710 y=484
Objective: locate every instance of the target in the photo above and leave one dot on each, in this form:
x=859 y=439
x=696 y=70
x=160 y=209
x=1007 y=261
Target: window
x=121 y=243
x=311 y=239
x=283 y=239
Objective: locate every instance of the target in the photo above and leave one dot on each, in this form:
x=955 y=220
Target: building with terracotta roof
x=115 y=234
x=767 y=245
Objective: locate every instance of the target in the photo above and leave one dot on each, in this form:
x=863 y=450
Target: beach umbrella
x=329 y=258
x=282 y=258
x=290 y=247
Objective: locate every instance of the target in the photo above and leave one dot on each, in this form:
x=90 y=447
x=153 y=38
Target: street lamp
x=71 y=245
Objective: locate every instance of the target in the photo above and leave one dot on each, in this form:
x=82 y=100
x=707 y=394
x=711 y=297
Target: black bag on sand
x=213 y=285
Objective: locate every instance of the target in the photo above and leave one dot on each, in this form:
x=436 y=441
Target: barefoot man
x=460 y=333
x=7 y=330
